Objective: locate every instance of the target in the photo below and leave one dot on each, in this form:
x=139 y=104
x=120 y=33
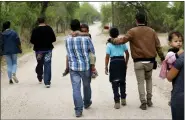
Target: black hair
x=171 y=35
x=114 y=32
x=6 y=25
x=41 y=20
x=85 y=26
x=75 y=25
x=141 y=18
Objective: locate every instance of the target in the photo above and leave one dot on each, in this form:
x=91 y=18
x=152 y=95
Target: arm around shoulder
x=128 y=36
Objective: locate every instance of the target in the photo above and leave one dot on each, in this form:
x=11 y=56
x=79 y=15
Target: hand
x=106 y=70
x=180 y=51
x=39 y=56
x=162 y=59
x=74 y=34
x=126 y=64
x=20 y=48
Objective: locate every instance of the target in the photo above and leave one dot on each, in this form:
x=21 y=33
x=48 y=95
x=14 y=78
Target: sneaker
x=123 y=102
x=40 y=81
x=10 y=82
x=47 y=86
x=149 y=103
x=15 y=78
x=65 y=72
x=87 y=106
x=79 y=114
x=117 y=105
x=143 y=106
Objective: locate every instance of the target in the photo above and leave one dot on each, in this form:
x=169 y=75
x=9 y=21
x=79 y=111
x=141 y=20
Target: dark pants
x=117 y=77
x=116 y=86
x=44 y=60
x=177 y=106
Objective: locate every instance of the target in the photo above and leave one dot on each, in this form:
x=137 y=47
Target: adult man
x=144 y=45
x=78 y=49
x=42 y=38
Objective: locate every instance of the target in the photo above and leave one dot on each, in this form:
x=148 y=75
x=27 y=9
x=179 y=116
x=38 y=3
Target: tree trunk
x=43 y=9
x=57 y=27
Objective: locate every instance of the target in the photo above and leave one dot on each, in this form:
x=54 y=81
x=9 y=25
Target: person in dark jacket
x=11 y=47
x=42 y=38
x=176 y=76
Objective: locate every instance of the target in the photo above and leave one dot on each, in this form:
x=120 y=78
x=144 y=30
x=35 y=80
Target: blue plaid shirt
x=78 y=49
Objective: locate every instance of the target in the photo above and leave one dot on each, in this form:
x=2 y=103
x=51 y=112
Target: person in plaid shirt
x=78 y=49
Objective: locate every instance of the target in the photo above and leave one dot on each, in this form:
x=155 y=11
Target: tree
x=106 y=14
x=161 y=16
x=87 y=13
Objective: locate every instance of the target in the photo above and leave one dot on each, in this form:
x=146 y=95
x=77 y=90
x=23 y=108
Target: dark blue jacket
x=11 y=42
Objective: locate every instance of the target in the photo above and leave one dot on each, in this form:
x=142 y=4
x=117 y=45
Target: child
x=175 y=43
x=85 y=31
x=117 y=68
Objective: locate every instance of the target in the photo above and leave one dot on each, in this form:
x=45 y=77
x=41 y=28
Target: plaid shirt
x=78 y=49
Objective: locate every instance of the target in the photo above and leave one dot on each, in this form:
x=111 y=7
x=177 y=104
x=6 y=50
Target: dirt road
x=30 y=100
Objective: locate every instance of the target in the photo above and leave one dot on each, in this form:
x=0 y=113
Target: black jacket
x=42 y=38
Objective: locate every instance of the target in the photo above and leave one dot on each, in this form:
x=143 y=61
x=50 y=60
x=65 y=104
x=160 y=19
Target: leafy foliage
x=162 y=16
x=87 y=13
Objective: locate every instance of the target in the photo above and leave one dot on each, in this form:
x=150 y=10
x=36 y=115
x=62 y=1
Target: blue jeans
x=11 y=61
x=44 y=60
x=76 y=77
x=177 y=106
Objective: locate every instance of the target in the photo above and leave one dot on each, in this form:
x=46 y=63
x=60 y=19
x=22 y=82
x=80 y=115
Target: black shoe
x=10 y=82
x=48 y=86
x=65 y=72
x=143 y=106
x=79 y=114
x=40 y=81
x=149 y=103
x=88 y=105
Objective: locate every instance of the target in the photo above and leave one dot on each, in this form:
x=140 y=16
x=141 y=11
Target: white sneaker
x=47 y=86
x=15 y=78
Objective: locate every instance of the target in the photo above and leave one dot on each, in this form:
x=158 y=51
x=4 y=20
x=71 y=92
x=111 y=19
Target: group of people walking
x=80 y=61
